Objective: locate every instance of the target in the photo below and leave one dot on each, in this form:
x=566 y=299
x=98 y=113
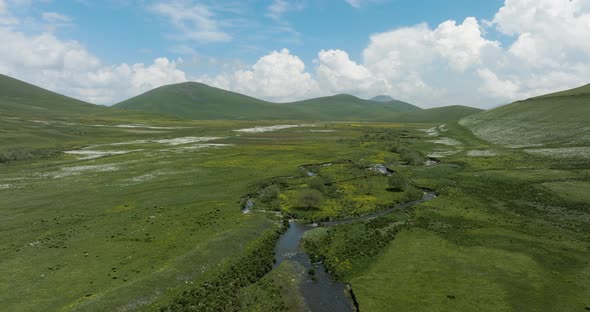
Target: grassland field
x=122 y=214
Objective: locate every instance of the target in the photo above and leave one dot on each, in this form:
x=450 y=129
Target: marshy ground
x=124 y=216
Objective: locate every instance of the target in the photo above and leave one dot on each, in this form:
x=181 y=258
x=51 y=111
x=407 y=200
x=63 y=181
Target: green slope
x=198 y=101
x=30 y=115
x=439 y=114
x=20 y=97
x=561 y=118
x=348 y=107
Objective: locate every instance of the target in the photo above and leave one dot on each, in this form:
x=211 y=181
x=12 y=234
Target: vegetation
x=199 y=101
x=102 y=209
x=310 y=199
x=351 y=248
x=560 y=119
x=397 y=183
x=221 y=293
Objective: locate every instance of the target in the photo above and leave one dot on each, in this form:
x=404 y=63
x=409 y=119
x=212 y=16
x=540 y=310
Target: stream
x=320 y=291
x=324 y=293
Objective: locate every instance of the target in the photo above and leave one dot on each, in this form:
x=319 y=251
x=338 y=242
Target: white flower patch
x=140 y=126
x=172 y=142
x=73 y=171
x=446 y=141
x=201 y=146
x=270 y=128
x=430 y=132
x=41 y=122
x=185 y=140
x=322 y=131
x=442 y=154
x=88 y=154
x=563 y=152
x=6 y=186
x=481 y=153
x=443 y=128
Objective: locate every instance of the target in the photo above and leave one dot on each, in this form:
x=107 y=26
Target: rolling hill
x=198 y=101
x=30 y=115
x=561 y=118
x=20 y=97
x=191 y=100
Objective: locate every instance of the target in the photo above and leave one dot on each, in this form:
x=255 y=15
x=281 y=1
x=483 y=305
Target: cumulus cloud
x=454 y=63
x=54 y=17
x=337 y=73
x=278 y=76
x=451 y=63
x=67 y=67
x=194 y=21
x=5 y=17
x=277 y=9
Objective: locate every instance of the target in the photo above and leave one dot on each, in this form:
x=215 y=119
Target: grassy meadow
x=508 y=232
x=109 y=210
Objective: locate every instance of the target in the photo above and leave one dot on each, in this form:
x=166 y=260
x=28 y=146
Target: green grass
x=147 y=228
x=557 y=119
x=138 y=229
x=507 y=233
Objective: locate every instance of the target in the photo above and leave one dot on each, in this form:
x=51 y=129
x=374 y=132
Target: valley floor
x=128 y=216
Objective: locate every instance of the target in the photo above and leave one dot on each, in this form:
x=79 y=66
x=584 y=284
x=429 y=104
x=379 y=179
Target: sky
x=426 y=52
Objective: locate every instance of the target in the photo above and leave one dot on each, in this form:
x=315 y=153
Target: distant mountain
x=193 y=100
x=19 y=96
x=382 y=98
x=348 y=107
x=199 y=101
x=560 y=118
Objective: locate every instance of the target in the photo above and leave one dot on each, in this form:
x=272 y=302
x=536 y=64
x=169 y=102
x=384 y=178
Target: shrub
x=317 y=183
x=310 y=199
x=270 y=194
x=397 y=183
x=410 y=156
x=14 y=155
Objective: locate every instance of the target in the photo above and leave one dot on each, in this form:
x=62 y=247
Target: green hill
x=561 y=118
x=439 y=114
x=30 y=115
x=348 y=107
x=17 y=97
x=198 y=101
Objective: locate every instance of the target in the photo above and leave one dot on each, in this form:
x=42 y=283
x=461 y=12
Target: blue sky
x=431 y=53
x=129 y=31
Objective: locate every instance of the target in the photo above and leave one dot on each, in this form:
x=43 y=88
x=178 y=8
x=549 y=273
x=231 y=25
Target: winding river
x=320 y=291
x=323 y=293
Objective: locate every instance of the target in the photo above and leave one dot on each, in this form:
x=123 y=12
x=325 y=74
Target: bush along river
x=320 y=290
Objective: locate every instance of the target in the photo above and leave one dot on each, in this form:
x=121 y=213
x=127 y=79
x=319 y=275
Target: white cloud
x=452 y=63
x=354 y=3
x=54 y=17
x=278 y=76
x=194 y=22
x=67 y=67
x=5 y=17
x=496 y=87
x=337 y=73
x=278 y=8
